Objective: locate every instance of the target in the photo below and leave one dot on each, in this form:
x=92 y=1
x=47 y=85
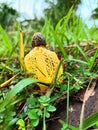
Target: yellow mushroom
x=42 y=62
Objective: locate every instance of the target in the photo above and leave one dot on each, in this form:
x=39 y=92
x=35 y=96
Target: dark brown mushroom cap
x=38 y=40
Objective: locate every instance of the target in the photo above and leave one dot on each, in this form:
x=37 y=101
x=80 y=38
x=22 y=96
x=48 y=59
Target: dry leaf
x=89 y=92
x=8 y=81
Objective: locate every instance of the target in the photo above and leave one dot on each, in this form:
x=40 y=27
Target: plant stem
x=67 y=114
x=44 y=121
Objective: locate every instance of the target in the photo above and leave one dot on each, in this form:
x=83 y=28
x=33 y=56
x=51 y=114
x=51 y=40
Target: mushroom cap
x=38 y=40
x=43 y=64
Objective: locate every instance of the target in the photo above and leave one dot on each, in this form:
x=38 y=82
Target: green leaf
x=16 y=89
x=39 y=113
x=51 y=108
x=13 y=121
x=32 y=114
x=47 y=114
x=90 y=121
x=66 y=126
x=32 y=101
x=21 y=122
x=44 y=99
x=35 y=122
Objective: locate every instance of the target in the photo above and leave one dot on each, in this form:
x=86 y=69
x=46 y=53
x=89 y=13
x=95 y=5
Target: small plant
x=34 y=115
x=66 y=126
x=39 y=108
x=21 y=124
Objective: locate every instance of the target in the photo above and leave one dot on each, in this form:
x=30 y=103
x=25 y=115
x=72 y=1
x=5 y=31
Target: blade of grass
x=90 y=121
x=76 y=60
x=60 y=29
x=6 y=39
x=8 y=60
x=16 y=89
x=93 y=60
x=83 y=53
x=65 y=19
x=6 y=67
x=60 y=45
x=54 y=80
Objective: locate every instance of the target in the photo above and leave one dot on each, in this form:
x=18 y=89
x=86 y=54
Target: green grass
x=67 y=39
